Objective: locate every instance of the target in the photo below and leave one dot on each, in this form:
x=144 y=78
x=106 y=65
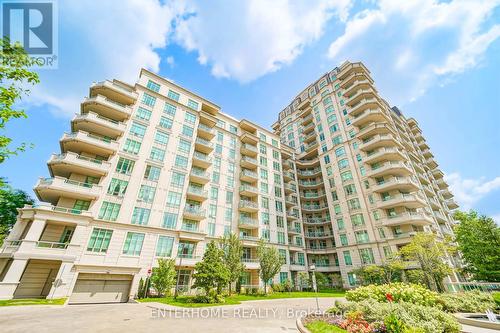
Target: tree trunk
x=265 y=288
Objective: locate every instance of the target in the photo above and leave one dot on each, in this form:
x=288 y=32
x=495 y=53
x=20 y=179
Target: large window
x=161 y=138
x=157 y=154
x=132 y=146
x=166 y=123
x=174 y=199
x=117 y=187
x=133 y=244
x=169 y=109
x=173 y=95
x=138 y=130
x=192 y=104
x=169 y=221
x=99 y=240
x=109 y=211
x=152 y=173
x=347 y=258
x=153 y=86
x=164 y=246
x=125 y=166
x=177 y=179
x=190 y=118
x=140 y=216
x=366 y=256
x=143 y=114
x=147 y=193
x=148 y=100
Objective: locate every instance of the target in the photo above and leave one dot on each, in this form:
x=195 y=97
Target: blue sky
x=439 y=61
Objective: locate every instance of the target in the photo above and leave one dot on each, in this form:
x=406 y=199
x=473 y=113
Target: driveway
x=252 y=316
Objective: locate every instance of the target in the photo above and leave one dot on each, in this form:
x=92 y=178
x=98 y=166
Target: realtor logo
x=32 y=24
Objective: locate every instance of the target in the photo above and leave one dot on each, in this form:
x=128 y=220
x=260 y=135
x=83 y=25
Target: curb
x=300 y=326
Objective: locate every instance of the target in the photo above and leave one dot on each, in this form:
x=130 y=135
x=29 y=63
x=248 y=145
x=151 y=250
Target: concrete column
x=36 y=230
x=64 y=282
x=12 y=277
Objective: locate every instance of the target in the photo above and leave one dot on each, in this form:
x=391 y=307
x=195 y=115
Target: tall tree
x=14 y=77
x=270 y=262
x=163 y=277
x=10 y=200
x=232 y=247
x=211 y=273
x=432 y=256
x=478 y=239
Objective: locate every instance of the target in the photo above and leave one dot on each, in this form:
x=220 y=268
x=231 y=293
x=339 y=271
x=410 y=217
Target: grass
x=496 y=297
x=319 y=326
x=32 y=301
x=186 y=301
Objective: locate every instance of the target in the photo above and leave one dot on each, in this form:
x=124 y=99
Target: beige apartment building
x=153 y=170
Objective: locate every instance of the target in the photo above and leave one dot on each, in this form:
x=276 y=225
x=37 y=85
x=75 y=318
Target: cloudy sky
x=439 y=61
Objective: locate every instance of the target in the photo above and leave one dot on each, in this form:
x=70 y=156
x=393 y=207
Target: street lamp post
x=183 y=253
x=315 y=287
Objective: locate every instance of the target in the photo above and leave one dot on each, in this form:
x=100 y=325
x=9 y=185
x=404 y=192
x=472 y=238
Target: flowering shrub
x=394 y=292
x=469 y=301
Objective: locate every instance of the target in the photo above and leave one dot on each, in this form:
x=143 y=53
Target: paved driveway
x=253 y=316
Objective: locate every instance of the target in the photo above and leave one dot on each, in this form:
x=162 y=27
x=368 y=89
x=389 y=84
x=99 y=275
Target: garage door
x=101 y=288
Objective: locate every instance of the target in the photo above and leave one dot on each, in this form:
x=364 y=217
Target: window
x=165 y=123
x=133 y=244
x=228 y=214
x=337 y=209
x=148 y=100
x=214 y=193
x=353 y=204
x=99 y=240
x=173 y=199
x=137 y=130
x=190 y=118
x=211 y=229
x=283 y=276
x=184 y=146
x=177 y=179
x=109 y=211
x=117 y=187
x=157 y=154
x=340 y=151
x=362 y=237
x=281 y=237
x=164 y=246
x=181 y=161
x=229 y=198
x=343 y=164
x=143 y=114
x=350 y=189
x=173 y=95
x=153 y=86
x=169 y=221
x=124 y=166
x=343 y=240
x=147 y=193
x=357 y=220
x=140 y=216
x=192 y=104
x=169 y=109
x=274 y=142
x=81 y=205
x=265 y=218
x=340 y=224
x=266 y=234
x=351 y=277
x=161 y=138
x=152 y=173
x=279 y=206
x=280 y=221
x=233 y=129
x=187 y=130
x=346 y=176
x=347 y=258
x=132 y=146
x=265 y=202
x=216 y=177
x=366 y=256
x=337 y=140
x=262 y=149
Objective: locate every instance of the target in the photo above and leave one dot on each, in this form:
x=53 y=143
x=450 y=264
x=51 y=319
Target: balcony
x=199 y=176
x=440 y=217
x=317 y=220
x=193 y=212
x=451 y=204
x=251 y=263
x=373 y=129
x=248 y=206
x=309 y=137
x=248 y=162
x=106 y=108
x=203 y=145
x=308 y=119
x=249 y=241
x=287 y=176
x=287 y=165
x=382 y=154
x=310 y=146
x=368 y=116
x=309 y=172
x=308 y=128
x=65 y=164
x=427 y=153
x=312 y=195
x=318 y=234
x=378 y=141
x=41 y=249
x=297 y=266
x=359 y=81
x=248 y=222
x=390 y=168
x=95 y=123
x=446 y=193
x=365 y=104
x=354 y=73
x=51 y=189
x=314 y=207
x=292 y=215
x=290 y=188
x=290 y=201
x=431 y=163
x=187 y=260
x=205 y=131
x=248 y=190
x=250 y=138
x=406 y=200
x=441 y=184
x=408 y=218
x=201 y=160
x=249 y=150
x=114 y=91
x=196 y=193
x=360 y=95
x=293 y=230
x=248 y=175
x=193 y=234
x=402 y=183
x=80 y=141
x=311 y=183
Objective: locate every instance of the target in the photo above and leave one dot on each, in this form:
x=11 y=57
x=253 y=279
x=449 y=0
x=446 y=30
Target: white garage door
x=101 y=288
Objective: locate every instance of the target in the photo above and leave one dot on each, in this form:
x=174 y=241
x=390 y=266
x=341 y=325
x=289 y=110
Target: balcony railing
x=248 y=221
x=248 y=204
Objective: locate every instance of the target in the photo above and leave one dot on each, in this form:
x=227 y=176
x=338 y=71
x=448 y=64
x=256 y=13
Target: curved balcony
x=309 y=137
x=446 y=194
x=408 y=218
x=95 y=123
x=390 y=168
x=290 y=201
x=441 y=184
x=308 y=173
x=359 y=82
x=317 y=220
x=373 y=129
x=249 y=138
x=431 y=163
x=293 y=230
x=292 y=216
x=66 y=164
x=378 y=141
x=318 y=234
x=51 y=189
x=365 y=104
x=248 y=175
x=115 y=91
x=248 y=190
x=348 y=81
x=205 y=132
x=405 y=200
x=290 y=188
x=369 y=116
x=312 y=195
x=438 y=174
x=248 y=162
x=287 y=176
x=203 y=145
x=80 y=141
x=321 y=250
x=359 y=95
x=201 y=160
x=307 y=119
x=199 y=176
x=451 y=204
x=249 y=150
x=248 y=223
x=308 y=163
x=106 y=107
x=248 y=206
x=308 y=128
x=311 y=183
x=314 y=207
x=408 y=184
x=384 y=153
x=193 y=212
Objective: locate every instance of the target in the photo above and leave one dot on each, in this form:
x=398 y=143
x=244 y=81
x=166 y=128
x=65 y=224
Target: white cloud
x=248 y=39
x=413 y=44
x=470 y=191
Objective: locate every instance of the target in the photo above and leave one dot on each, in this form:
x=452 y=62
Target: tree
x=270 y=262
x=232 y=247
x=14 y=75
x=393 y=269
x=432 y=256
x=303 y=280
x=478 y=239
x=163 y=277
x=211 y=273
x=10 y=200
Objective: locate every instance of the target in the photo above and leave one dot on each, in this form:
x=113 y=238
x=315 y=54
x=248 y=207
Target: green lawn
x=319 y=326
x=32 y=301
x=184 y=301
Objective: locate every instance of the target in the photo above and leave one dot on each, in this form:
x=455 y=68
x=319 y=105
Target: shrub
x=415 y=317
x=287 y=285
x=277 y=287
x=399 y=292
x=210 y=298
x=469 y=301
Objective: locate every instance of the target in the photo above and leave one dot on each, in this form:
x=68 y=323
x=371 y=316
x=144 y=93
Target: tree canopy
x=10 y=200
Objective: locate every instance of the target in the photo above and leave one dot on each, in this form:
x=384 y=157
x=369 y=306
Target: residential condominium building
x=153 y=170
